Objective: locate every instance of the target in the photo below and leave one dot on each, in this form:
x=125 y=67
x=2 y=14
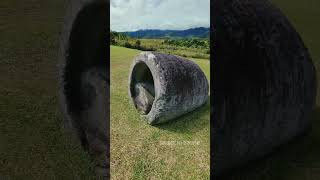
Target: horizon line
x=162 y=29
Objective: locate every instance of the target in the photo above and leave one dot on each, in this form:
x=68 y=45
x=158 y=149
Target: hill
x=199 y=32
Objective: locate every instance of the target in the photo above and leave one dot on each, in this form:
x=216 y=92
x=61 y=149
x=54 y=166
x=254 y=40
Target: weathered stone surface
x=84 y=78
x=144 y=98
x=264 y=82
x=179 y=86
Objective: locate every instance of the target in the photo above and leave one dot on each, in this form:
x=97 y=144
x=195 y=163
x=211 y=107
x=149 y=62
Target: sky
x=132 y=15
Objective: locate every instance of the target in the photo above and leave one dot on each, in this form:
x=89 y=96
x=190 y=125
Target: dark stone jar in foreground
x=264 y=82
x=84 y=79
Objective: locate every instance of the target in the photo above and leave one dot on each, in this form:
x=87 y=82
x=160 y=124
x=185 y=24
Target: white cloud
x=129 y=15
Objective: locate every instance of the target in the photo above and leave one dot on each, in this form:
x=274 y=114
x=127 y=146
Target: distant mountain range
x=199 y=32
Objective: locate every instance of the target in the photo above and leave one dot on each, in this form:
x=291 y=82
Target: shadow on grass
x=191 y=122
x=298 y=159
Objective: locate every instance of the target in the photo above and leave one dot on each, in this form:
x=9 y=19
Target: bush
x=189 y=43
x=138 y=43
x=128 y=45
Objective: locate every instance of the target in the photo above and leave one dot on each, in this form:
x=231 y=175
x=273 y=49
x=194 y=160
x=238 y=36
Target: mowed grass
x=32 y=143
x=160 y=46
x=300 y=159
x=175 y=150
x=177 y=50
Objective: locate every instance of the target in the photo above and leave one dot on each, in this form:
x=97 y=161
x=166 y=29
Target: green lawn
x=141 y=151
x=158 y=45
x=32 y=145
x=178 y=50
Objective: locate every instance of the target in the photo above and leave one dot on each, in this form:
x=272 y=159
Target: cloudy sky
x=131 y=15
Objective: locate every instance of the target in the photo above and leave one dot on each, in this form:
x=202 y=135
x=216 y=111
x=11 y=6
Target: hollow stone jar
x=84 y=79
x=163 y=87
x=264 y=82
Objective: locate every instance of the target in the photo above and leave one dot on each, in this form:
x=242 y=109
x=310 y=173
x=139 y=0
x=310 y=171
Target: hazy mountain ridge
x=199 y=32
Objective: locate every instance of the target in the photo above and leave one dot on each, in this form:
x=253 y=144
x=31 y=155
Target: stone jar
x=264 y=82
x=163 y=87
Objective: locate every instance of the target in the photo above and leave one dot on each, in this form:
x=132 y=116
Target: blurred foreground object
x=84 y=78
x=264 y=82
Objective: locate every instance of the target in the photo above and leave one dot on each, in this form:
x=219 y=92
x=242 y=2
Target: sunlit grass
x=138 y=150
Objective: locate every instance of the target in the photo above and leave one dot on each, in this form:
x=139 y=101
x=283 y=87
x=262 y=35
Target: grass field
x=160 y=46
x=180 y=51
x=141 y=151
x=32 y=145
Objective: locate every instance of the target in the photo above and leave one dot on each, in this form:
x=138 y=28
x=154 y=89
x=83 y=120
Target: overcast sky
x=131 y=15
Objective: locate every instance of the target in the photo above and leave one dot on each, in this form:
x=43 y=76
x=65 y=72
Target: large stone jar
x=264 y=82
x=163 y=87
